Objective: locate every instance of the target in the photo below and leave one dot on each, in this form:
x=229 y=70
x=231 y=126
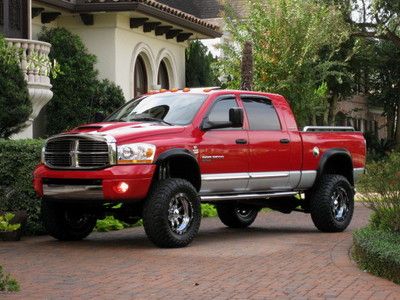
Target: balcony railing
x=34 y=60
x=35 y=65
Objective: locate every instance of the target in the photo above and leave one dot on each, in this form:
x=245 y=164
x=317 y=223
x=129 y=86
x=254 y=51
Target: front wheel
x=172 y=213
x=332 y=203
x=237 y=215
x=66 y=222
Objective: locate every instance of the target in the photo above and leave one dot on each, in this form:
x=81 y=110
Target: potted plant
x=9 y=230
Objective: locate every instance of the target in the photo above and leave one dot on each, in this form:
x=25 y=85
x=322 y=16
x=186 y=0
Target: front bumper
x=94 y=185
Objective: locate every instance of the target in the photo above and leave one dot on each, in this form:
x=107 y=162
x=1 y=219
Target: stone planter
x=10 y=236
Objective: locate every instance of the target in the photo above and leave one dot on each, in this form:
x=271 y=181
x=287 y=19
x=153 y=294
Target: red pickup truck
x=159 y=156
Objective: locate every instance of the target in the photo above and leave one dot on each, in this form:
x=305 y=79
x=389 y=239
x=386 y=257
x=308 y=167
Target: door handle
x=241 y=141
x=284 y=141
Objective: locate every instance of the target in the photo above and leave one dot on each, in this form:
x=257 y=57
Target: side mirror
x=235 y=120
x=236 y=117
x=99 y=117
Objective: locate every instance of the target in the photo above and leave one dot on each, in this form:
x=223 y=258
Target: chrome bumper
x=73 y=192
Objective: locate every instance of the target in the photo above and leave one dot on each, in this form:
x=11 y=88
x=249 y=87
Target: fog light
x=122 y=187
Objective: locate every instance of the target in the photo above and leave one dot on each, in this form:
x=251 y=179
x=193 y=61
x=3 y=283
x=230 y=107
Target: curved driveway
x=280 y=256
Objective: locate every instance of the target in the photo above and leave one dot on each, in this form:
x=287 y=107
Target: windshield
x=176 y=109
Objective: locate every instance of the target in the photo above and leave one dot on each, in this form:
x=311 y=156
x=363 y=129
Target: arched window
x=163 y=79
x=140 y=77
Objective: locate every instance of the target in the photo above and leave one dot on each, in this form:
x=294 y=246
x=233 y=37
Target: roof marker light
x=174 y=90
x=186 y=89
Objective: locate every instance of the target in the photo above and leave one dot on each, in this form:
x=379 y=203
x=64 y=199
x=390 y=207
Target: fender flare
x=331 y=153
x=183 y=153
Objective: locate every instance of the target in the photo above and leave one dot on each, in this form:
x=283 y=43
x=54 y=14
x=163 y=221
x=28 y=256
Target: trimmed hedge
x=18 y=159
x=378 y=252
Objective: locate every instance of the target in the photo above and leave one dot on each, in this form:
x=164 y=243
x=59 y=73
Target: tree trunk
x=247 y=67
x=397 y=136
x=332 y=110
x=390 y=125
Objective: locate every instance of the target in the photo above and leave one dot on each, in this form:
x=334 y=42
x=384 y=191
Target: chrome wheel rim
x=180 y=213
x=340 y=204
x=243 y=212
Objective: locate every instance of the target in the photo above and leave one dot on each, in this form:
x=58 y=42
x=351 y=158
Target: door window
x=220 y=111
x=261 y=114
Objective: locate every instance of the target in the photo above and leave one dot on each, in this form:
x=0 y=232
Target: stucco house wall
x=117 y=47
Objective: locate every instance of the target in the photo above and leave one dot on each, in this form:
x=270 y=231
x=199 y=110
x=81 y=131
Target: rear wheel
x=237 y=215
x=67 y=222
x=332 y=203
x=172 y=213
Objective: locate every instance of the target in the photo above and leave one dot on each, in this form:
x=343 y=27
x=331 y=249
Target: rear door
x=223 y=153
x=269 y=146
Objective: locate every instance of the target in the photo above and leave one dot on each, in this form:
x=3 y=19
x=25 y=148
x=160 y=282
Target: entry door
x=269 y=157
x=14 y=18
x=223 y=153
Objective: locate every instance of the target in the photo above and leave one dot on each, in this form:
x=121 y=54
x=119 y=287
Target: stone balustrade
x=36 y=66
x=34 y=59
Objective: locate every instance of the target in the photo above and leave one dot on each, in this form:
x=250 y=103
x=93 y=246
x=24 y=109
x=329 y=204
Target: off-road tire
x=55 y=220
x=228 y=214
x=156 y=213
x=321 y=203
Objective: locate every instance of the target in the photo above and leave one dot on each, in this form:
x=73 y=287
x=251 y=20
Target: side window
x=220 y=111
x=261 y=114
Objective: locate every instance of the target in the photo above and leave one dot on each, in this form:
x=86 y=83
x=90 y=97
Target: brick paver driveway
x=280 y=256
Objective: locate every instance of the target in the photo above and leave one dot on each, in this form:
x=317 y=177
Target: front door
x=269 y=157
x=14 y=18
x=223 y=153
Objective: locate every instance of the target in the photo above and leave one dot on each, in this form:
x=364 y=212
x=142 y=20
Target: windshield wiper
x=150 y=119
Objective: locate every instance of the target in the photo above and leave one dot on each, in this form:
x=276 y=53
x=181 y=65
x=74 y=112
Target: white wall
x=117 y=46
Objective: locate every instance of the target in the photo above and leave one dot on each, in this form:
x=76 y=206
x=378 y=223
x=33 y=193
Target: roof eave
x=134 y=6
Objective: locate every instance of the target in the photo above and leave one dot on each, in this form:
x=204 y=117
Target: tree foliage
x=77 y=91
x=14 y=98
x=287 y=44
x=199 y=71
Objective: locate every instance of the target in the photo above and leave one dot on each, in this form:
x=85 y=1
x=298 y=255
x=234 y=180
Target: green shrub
x=18 y=159
x=7 y=283
x=380 y=190
x=5 y=224
x=378 y=252
x=14 y=100
x=109 y=223
x=208 y=210
x=78 y=94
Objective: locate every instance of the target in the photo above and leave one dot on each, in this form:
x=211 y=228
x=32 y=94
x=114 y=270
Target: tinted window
x=261 y=114
x=220 y=111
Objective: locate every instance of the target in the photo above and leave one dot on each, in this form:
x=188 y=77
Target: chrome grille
x=78 y=152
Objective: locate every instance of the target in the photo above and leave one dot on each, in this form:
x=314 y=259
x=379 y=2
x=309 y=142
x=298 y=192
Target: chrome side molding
x=216 y=198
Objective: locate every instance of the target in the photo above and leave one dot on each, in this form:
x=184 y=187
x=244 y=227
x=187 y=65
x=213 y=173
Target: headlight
x=136 y=153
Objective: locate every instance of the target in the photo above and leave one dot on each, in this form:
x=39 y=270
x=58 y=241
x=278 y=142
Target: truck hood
x=125 y=132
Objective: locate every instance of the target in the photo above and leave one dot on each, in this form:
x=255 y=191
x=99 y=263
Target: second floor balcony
x=35 y=65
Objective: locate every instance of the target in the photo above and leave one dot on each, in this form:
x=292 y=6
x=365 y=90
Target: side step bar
x=215 y=198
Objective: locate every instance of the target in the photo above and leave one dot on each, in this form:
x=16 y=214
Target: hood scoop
x=90 y=127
